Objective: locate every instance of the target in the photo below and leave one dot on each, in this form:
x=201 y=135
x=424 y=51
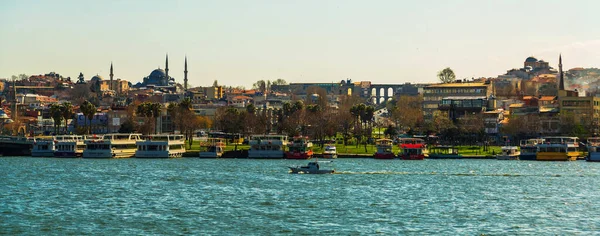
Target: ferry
x=529 y=149
x=69 y=146
x=299 y=148
x=43 y=147
x=212 y=148
x=508 y=153
x=444 y=152
x=267 y=146
x=412 y=148
x=330 y=152
x=593 y=148
x=384 y=149
x=112 y=146
x=161 y=146
x=557 y=149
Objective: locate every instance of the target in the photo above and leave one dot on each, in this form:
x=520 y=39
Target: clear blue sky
x=239 y=42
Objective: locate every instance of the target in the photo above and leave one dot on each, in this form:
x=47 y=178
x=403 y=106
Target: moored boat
x=556 y=149
x=412 y=148
x=330 y=151
x=212 y=148
x=444 y=152
x=593 y=148
x=112 y=146
x=529 y=149
x=69 y=146
x=384 y=149
x=267 y=146
x=299 y=148
x=43 y=147
x=161 y=146
x=508 y=153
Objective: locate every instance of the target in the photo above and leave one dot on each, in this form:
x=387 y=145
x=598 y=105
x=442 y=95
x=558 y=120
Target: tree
x=89 y=110
x=215 y=84
x=67 y=113
x=408 y=112
x=390 y=131
x=155 y=109
x=127 y=127
x=151 y=111
x=260 y=85
x=441 y=123
x=279 y=82
x=55 y=113
x=446 y=75
x=23 y=77
x=183 y=118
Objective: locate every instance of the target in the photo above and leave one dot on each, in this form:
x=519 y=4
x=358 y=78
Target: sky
x=240 y=42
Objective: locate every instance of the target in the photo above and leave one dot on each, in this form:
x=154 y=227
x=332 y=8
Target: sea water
x=260 y=197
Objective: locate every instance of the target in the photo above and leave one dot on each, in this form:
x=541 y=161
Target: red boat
x=384 y=149
x=299 y=148
x=412 y=149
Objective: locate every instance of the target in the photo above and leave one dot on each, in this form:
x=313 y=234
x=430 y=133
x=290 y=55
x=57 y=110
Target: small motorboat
x=311 y=168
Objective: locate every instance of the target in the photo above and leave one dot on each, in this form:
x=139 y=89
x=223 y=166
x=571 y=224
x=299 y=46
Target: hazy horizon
x=240 y=42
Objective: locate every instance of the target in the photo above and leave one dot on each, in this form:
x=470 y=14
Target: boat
x=43 y=147
x=384 y=149
x=444 y=152
x=299 y=148
x=161 y=146
x=15 y=146
x=267 y=146
x=69 y=146
x=411 y=148
x=212 y=148
x=529 y=149
x=330 y=152
x=112 y=146
x=509 y=153
x=593 y=148
x=557 y=149
x=312 y=168
x=573 y=148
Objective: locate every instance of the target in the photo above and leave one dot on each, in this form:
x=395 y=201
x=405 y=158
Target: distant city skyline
x=240 y=42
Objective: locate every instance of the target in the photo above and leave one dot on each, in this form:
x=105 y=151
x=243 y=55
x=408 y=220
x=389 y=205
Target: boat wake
x=436 y=173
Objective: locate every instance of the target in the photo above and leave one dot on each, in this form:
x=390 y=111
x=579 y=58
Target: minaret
x=167 y=70
x=185 y=71
x=561 y=82
x=110 y=86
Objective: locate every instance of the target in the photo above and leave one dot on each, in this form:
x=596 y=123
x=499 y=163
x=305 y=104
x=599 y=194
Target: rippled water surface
x=238 y=196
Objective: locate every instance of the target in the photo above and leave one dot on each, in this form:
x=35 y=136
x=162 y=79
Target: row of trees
x=311 y=117
x=60 y=112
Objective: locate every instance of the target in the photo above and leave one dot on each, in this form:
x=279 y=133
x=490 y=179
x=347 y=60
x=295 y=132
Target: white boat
x=267 y=146
x=112 y=146
x=69 y=146
x=312 y=168
x=43 y=147
x=161 y=146
x=330 y=152
x=509 y=153
x=593 y=147
x=212 y=148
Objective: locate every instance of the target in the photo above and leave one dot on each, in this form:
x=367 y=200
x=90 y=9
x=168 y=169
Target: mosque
x=160 y=78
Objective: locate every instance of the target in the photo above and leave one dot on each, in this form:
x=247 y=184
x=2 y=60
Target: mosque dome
x=158 y=73
x=97 y=78
x=531 y=59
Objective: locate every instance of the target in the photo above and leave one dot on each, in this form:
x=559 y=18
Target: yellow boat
x=558 y=149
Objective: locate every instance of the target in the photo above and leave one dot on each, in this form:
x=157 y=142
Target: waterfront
x=241 y=196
